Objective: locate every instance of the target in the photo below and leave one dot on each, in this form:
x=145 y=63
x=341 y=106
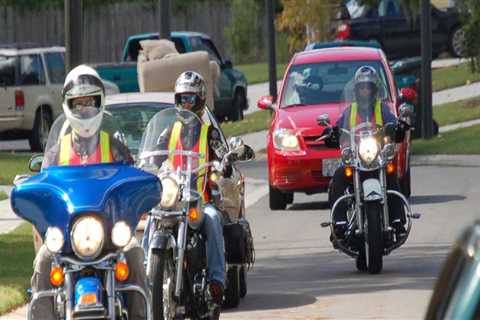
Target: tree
x=470 y=12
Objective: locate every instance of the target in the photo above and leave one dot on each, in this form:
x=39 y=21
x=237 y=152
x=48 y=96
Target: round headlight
x=170 y=192
x=368 y=149
x=285 y=140
x=54 y=239
x=87 y=237
x=121 y=234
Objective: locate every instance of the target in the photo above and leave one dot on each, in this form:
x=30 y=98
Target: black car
x=397 y=30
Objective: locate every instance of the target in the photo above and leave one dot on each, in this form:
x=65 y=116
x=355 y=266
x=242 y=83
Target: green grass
x=461 y=141
x=253 y=122
x=16 y=256
x=11 y=165
x=457 y=111
x=3 y=196
x=454 y=76
x=258 y=72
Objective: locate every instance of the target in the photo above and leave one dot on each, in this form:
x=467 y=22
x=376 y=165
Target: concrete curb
x=446 y=160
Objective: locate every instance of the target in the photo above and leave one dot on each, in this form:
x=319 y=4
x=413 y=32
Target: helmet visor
x=84 y=107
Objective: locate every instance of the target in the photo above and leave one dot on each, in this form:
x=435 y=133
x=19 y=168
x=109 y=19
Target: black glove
x=400 y=130
x=333 y=135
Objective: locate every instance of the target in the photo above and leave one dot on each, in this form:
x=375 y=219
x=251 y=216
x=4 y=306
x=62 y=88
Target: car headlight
x=285 y=140
x=170 y=192
x=87 y=237
x=368 y=149
x=54 y=239
x=121 y=234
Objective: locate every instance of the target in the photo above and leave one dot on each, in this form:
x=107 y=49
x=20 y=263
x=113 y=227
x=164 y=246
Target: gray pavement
x=456 y=94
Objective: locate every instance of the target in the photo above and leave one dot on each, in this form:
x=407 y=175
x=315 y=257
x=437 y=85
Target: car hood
x=303 y=119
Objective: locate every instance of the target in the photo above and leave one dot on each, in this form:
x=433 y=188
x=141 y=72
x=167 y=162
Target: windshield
x=327 y=82
x=133 y=118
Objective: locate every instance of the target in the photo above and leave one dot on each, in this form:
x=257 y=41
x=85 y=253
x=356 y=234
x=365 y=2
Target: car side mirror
x=265 y=103
x=227 y=64
x=408 y=95
x=406 y=110
x=323 y=120
x=35 y=163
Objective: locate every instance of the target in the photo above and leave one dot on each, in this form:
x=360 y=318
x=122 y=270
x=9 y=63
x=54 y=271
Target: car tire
x=456 y=42
x=406 y=185
x=41 y=127
x=239 y=102
x=289 y=197
x=277 y=199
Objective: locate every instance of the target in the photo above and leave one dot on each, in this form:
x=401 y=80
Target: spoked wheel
x=373 y=237
x=162 y=278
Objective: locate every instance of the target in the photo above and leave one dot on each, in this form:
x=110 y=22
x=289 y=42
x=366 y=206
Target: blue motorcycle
x=86 y=215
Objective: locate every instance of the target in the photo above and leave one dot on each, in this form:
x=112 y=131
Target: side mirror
x=35 y=163
x=406 y=110
x=323 y=120
x=408 y=95
x=227 y=64
x=265 y=103
x=247 y=155
x=236 y=145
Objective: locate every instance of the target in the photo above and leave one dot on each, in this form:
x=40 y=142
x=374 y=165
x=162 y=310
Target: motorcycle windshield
x=173 y=139
x=57 y=195
x=66 y=147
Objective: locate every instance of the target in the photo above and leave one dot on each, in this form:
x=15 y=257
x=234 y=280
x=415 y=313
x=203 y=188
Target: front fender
x=372 y=191
x=162 y=241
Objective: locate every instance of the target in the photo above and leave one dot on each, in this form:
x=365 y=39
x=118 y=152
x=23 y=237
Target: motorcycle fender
x=88 y=286
x=161 y=241
x=372 y=191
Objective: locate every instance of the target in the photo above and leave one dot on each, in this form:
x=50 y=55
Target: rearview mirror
x=265 y=103
x=35 y=163
x=323 y=120
x=239 y=150
x=406 y=110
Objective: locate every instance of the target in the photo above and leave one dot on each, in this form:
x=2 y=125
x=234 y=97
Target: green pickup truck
x=231 y=100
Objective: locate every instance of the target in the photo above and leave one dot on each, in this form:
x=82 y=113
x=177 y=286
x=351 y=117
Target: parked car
x=457 y=292
x=297 y=162
x=230 y=94
x=398 y=31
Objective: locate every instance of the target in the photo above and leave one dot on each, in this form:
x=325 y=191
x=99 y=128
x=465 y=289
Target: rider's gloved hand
x=400 y=130
x=333 y=134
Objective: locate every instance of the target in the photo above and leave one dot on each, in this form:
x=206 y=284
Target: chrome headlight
x=87 y=237
x=170 y=192
x=121 y=234
x=285 y=140
x=54 y=239
x=368 y=149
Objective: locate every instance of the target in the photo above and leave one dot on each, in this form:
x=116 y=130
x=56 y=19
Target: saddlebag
x=238 y=243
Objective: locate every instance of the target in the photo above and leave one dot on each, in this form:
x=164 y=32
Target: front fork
x=181 y=244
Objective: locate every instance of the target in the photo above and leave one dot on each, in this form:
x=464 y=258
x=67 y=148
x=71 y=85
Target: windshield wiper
x=294 y=105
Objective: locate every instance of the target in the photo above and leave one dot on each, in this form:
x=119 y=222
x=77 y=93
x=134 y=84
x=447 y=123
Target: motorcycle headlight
x=54 y=239
x=170 y=192
x=285 y=140
x=368 y=149
x=121 y=234
x=87 y=237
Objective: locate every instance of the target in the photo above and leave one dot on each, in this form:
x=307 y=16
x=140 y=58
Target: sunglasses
x=190 y=99
x=87 y=103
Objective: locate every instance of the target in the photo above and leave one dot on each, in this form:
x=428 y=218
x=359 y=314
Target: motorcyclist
x=190 y=94
x=83 y=107
x=367 y=107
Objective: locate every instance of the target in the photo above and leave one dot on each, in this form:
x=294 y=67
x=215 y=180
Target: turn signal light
x=390 y=168
x=193 y=214
x=348 y=172
x=56 y=276
x=121 y=271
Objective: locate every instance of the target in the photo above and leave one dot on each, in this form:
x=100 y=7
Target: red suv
x=297 y=162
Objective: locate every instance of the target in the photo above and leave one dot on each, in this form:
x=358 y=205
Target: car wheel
x=289 y=197
x=277 y=199
x=457 y=42
x=41 y=127
x=238 y=105
x=406 y=185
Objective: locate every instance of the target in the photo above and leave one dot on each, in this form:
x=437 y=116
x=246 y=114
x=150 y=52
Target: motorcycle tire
x=374 y=237
x=361 y=261
x=232 y=292
x=243 y=282
x=158 y=262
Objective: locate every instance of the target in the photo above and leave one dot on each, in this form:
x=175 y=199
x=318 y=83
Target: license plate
x=329 y=166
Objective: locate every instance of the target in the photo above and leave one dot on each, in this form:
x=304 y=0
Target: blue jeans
x=212 y=228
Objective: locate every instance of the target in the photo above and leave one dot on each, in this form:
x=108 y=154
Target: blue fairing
x=58 y=194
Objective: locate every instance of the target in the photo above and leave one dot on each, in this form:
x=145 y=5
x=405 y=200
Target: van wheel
x=457 y=42
x=41 y=127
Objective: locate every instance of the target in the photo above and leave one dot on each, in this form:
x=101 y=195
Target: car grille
x=311 y=143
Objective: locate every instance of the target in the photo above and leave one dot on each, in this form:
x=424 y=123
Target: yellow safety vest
x=66 y=149
x=378 y=114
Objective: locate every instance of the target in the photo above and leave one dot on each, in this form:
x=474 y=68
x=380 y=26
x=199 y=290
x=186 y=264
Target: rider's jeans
x=213 y=230
x=43 y=308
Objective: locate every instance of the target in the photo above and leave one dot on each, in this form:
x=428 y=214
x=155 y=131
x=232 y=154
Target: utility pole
x=73 y=33
x=426 y=77
x=165 y=13
x=272 y=70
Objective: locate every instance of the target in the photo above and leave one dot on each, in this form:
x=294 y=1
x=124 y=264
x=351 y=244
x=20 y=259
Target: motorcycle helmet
x=190 y=92
x=366 y=84
x=83 y=100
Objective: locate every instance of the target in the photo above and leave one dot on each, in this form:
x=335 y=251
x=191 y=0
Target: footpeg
x=325 y=224
x=415 y=215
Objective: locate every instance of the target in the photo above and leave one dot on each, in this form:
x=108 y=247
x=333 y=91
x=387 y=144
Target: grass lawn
x=253 y=122
x=258 y=72
x=461 y=141
x=454 y=76
x=16 y=256
x=11 y=165
x=458 y=111
x=3 y=196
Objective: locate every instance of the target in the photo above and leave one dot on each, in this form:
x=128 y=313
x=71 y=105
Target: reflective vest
x=201 y=147
x=102 y=154
x=355 y=118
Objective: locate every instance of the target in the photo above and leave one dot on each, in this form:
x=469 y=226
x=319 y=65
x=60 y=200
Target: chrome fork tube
x=358 y=201
x=383 y=181
x=111 y=294
x=68 y=296
x=182 y=238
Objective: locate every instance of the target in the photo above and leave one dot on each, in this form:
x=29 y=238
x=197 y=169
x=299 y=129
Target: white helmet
x=84 y=81
x=191 y=82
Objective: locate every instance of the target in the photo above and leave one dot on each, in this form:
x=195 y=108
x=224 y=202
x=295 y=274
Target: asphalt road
x=297 y=274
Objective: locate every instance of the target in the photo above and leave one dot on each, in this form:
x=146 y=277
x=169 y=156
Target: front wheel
x=232 y=292
x=243 y=282
x=373 y=237
x=162 y=279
